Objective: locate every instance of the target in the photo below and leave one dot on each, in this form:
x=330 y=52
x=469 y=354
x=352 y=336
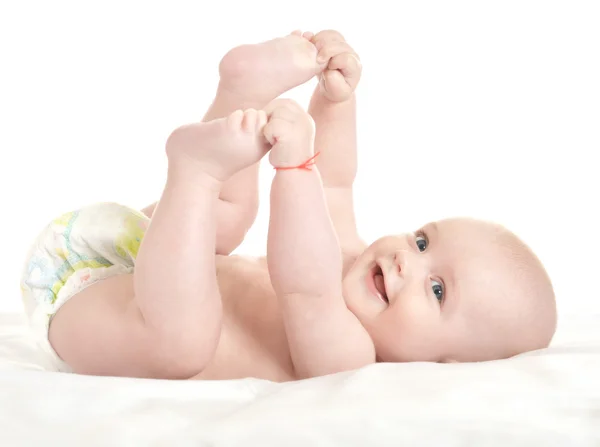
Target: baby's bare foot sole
x=221 y=147
x=266 y=70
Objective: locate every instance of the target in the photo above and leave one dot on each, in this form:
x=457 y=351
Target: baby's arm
x=336 y=141
x=333 y=108
x=304 y=257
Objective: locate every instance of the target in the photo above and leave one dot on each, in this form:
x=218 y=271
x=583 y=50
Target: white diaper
x=73 y=252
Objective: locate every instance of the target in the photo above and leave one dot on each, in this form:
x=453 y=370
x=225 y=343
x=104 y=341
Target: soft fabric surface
x=549 y=398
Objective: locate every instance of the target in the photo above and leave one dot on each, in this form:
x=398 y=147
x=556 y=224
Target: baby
x=113 y=291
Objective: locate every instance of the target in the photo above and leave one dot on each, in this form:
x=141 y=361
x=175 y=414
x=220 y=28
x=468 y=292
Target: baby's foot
x=262 y=72
x=221 y=147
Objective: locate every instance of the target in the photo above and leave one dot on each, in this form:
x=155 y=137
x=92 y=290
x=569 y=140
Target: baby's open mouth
x=379 y=282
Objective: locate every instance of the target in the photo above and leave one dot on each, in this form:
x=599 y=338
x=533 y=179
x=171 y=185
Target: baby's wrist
x=325 y=100
x=306 y=165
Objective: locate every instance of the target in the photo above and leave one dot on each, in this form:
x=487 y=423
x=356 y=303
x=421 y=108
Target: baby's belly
x=253 y=341
x=247 y=361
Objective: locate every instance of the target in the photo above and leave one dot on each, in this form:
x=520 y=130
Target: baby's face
x=447 y=292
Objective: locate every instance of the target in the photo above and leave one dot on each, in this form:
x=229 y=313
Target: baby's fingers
x=334 y=85
x=331 y=49
x=283 y=108
x=275 y=128
x=326 y=36
x=349 y=64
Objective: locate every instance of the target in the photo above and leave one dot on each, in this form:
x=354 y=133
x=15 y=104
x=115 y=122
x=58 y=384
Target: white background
x=484 y=109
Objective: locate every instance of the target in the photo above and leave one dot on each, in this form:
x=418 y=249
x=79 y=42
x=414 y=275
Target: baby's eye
x=421 y=243
x=438 y=290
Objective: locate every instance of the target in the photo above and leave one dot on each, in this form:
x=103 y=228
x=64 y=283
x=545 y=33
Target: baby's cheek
x=415 y=332
x=410 y=329
x=414 y=311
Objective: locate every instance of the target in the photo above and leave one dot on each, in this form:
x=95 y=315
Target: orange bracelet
x=306 y=165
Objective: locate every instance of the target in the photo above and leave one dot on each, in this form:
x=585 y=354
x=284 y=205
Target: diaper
x=73 y=252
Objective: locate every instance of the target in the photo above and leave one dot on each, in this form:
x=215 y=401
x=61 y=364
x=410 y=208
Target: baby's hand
x=343 y=70
x=291 y=132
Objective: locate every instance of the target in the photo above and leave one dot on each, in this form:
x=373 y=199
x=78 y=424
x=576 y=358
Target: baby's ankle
x=189 y=175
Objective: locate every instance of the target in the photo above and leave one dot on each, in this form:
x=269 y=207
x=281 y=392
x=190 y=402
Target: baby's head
x=458 y=290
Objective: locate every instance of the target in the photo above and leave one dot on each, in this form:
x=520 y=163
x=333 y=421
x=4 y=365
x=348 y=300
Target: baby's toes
x=249 y=121
x=261 y=121
x=306 y=34
x=283 y=108
x=234 y=120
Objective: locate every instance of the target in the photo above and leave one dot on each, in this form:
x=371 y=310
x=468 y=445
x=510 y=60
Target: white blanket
x=546 y=398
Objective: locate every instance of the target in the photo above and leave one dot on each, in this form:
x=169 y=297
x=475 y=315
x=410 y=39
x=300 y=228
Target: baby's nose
x=400 y=261
x=407 y=261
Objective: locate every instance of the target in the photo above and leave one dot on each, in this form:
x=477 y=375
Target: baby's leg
x=251 y=76
x=165 y=319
